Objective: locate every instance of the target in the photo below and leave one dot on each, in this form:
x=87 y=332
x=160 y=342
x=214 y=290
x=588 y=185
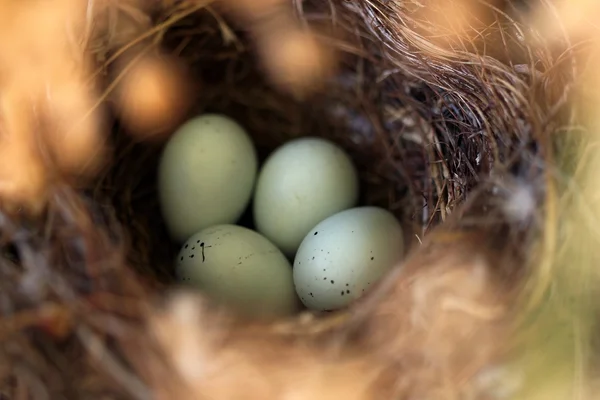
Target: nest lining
x=426 y=128
x=430 y=128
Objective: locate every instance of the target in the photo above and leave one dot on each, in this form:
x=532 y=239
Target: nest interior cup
x=231 y=82
x=378 y=119
x=429 y=127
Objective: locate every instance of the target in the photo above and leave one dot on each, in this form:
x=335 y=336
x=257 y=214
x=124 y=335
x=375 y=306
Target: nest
x=451 y=133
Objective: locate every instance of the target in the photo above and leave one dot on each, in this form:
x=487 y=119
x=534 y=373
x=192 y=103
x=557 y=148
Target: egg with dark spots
x=206 y=175
x=356 y=247
x=239 y=268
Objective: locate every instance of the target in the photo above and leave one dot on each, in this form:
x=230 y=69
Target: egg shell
x=302 y=183
x=240 y=268
x=206 y=175
x=344 y=255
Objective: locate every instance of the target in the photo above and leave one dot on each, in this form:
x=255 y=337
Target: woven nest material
x=451 y=133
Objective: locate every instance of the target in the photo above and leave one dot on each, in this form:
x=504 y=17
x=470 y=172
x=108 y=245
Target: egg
x=301 y=183
x=344 y=255
x=206 y=175
x=239 y=268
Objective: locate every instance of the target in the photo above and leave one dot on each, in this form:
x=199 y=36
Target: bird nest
x=449 y=114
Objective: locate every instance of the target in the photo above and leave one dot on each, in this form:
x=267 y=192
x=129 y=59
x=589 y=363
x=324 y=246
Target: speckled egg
x=302 y=183
x=206 y=175
x=344 y=255
x=240 y=268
